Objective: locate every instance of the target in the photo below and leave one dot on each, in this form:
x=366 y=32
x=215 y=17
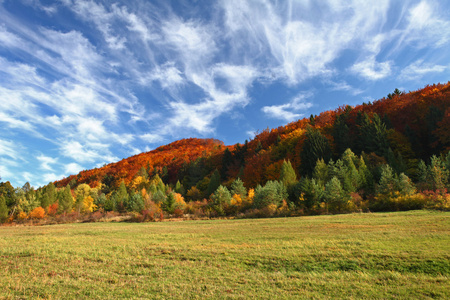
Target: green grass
x=385 y=255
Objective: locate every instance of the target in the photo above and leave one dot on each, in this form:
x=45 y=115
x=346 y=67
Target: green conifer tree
x=220 y=199
x=65 y=200
x=238 y=188
x=315 y=147
x=214 y=183
x=287 y=174
x=3 y=209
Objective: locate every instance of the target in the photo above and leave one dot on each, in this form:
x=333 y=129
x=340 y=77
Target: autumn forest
x=392 y=154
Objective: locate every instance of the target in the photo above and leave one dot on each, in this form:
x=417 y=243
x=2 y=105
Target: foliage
x=316 y=147
x=3 y=209
x=37 y=213
x=272 y=193
x=221 y=199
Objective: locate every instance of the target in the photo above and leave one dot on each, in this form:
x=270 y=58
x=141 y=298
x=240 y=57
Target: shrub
x=53 y=209
x=37 y=213
x=178 y=213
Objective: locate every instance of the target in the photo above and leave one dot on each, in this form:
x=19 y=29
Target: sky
x=84 y=83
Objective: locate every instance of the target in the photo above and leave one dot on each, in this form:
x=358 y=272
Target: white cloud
x=427 y=26
x=168 y=76
x=371 y=69
x=86 y=153
x=46 y=161
x=289 y=111
x=151 y=138
x=9 y=149
x=419 y=68
x=51 y=177
x=344 y=86
x=72 y=168
x=8 y=39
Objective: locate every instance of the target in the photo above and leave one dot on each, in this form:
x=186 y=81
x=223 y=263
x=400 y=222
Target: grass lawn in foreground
x=402 y=255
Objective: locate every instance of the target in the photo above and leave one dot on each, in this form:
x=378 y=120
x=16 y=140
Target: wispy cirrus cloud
x=289 y=111
x=419 y=68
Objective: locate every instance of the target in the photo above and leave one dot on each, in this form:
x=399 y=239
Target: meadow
x=401 y=255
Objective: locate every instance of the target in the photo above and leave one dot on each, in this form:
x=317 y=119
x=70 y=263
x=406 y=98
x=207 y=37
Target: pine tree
x=365 y=178
x=405 y=185
x=316 y=146
x=341 y=134
x=220 y=199
x=50 y=190
x=238 y=188
x=65 y=200
x=258 y=147
x=169 y=203
x=387 y=181
x=310 y=192
x=372 y=136
x=179 y=188
x=321 y=171
x=226 y=162
x=214 y=183
x=45 y=200
x=121 y=197
x=438 y=173
x=287 y=174
x=334 y=195
x=3 y=209
x=273 y=192
x=136 y=203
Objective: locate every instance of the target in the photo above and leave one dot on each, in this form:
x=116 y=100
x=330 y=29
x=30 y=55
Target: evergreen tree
x=315 y=147
x=3 y=209
x=121 y=197
x=320 y=173
x=413 y=140
x=226 y=162
x=372 y=136
x=169 y=203
x=433 y=117
x=101 y=201
x=387 y=121
x=405 y=185
x=334 y=195
x=158 y=197
x=438 y=173
x=365 y=178
x=273 y=192
x=179 y=188
x=387 y=181
x=214 y=183
x=238 y=188
x=45 y=200
x=136 y=203
x=341 y=134
x=312 y=120
x=165 y=174
x=220 y=199
x=309 y=192
x=287 y=174
x=258 y=147
x=143 y=173
x=50 y=190
x=65 y=200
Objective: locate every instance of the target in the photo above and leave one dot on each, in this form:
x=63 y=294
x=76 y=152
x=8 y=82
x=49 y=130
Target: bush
x=37 y=213
x=178 y=213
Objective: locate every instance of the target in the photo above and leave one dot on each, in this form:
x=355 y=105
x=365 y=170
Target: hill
x=389 y=154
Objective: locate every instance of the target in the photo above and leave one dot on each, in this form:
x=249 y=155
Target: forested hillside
x=390 y=154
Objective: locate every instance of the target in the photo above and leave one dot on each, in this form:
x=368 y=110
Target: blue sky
x=84 y=83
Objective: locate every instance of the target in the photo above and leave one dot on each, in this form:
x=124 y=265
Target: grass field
x=385 y=255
